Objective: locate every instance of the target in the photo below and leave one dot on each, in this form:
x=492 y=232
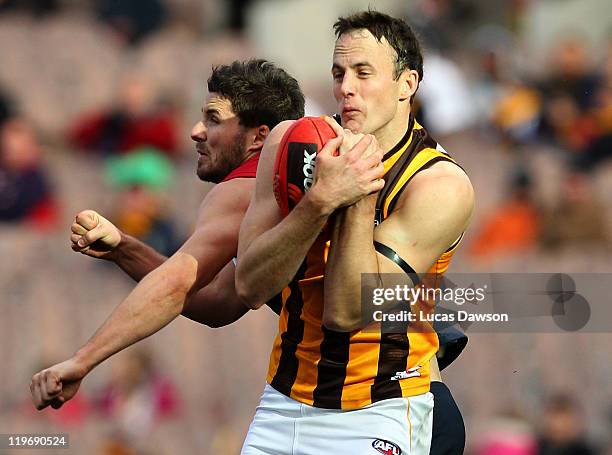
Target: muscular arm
x=271 y=248
x=136 y=258
x=431 y=214
x=214 y=305
x=217 y=304
x=160 y=296
x=95 y=236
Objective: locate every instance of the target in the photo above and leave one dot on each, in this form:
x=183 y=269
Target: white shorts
x=283 y=426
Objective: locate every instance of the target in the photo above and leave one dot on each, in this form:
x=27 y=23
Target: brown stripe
x=288 y=364
x=392 y=359
x=331 y=371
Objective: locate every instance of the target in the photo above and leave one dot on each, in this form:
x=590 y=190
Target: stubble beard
x=226 y=161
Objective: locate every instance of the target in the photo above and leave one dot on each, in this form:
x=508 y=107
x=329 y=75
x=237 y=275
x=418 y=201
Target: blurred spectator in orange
x=133 y=20
x=569 y=95
x=578 y=217
x=516 y=114
x=562 y=431
x=137 y=120
x=140 y=211
x=25 y=192
x=513 y=226
x=115 y=445
x=138 y=396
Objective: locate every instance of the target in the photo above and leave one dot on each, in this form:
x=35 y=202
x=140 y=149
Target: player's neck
x=390 y=134
x=250 y=155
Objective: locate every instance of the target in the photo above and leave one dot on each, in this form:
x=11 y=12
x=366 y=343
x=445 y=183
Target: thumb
x=89 y=219
x=53 y=382
x=334 y=125
x=95 y=234
x=332 y=146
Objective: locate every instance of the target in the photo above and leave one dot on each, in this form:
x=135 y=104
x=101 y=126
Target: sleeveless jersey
x=248 y=169
x=342 y=370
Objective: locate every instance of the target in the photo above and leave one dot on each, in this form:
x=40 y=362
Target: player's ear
x=409 y=81
x=260 y=133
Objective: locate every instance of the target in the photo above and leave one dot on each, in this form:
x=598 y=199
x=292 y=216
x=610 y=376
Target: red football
x=295 y=160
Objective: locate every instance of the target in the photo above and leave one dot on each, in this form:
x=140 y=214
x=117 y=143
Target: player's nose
x=347 y=87
x=198 y=132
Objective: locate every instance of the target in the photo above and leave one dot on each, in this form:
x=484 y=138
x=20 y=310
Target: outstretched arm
x=215 y=305
x=160 y=296
x=95 y=236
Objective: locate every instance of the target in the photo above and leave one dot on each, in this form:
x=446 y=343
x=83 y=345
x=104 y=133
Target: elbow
x=249 y=294
x=342 y=323
x=215 y=324
x=177 y=290
x=246 y=294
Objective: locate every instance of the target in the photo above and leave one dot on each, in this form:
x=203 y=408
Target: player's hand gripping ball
x=295 y=160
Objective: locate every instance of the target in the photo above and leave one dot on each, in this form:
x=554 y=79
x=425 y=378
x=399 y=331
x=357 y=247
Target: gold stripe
x=396 y=156
x=308 y=351
x=363 y=363
x=421 y=159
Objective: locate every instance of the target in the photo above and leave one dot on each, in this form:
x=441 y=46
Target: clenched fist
x=94 y=235
x=57 y=384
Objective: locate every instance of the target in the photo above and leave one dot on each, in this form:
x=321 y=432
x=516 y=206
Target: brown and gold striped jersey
x=342 y=370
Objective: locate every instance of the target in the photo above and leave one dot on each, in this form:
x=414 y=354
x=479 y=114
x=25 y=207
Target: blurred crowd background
x=97 y=99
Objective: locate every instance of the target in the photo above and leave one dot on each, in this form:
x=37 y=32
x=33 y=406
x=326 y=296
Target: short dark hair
x=397 y=32
x=260 y=92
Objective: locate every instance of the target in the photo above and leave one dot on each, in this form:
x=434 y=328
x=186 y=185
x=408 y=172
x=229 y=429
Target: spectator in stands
x=141 y=178
x=237 y=14
x=38 y=8
x=569 y=96
x=506 y=433
x=136 y=120
x=25 y=192
x=562 y=431
x=578 y=217
x=513 y=226
x=138 y=396
x=601 y=147
x=133 y=20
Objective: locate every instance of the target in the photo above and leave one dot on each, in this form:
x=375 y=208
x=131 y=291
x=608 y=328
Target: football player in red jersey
x=245 y=101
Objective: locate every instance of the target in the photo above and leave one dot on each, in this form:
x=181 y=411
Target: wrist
x=365 y=205
x=317 y=203
x=82 y=358
x=119 y=249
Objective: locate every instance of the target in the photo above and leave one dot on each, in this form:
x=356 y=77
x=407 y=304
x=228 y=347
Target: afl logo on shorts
x=386 y=447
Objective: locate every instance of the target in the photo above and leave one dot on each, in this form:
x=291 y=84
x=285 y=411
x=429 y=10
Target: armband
x=390 y=254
